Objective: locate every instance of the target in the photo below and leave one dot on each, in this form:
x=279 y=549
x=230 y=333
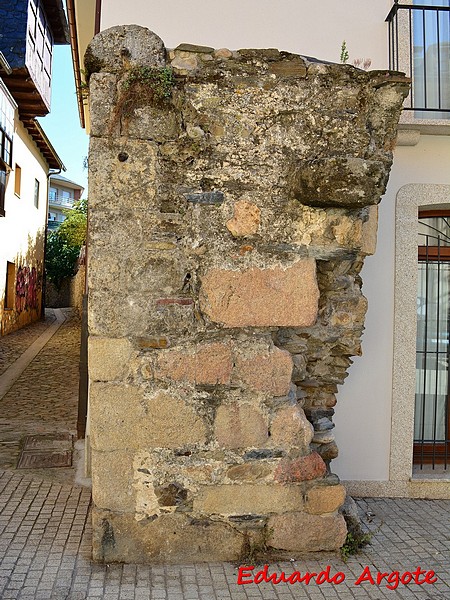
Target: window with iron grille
x=432 y=417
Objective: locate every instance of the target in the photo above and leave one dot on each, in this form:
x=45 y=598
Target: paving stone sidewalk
x=45 y=532
x=45 y=538
x=15 y=343
x=44 y=399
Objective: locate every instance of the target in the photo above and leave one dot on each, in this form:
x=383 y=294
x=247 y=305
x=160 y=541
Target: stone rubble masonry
x=231 y=210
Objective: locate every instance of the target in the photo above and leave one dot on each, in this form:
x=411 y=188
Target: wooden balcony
x=28 y=47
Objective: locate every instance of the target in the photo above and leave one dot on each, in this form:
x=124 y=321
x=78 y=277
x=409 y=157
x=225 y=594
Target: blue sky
x=62 y=125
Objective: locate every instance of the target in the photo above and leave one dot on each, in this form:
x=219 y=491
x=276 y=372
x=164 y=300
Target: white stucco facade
x=22 y=229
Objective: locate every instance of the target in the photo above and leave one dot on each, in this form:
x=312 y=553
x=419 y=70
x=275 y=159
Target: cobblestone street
x=45 y=534
x=43 y=399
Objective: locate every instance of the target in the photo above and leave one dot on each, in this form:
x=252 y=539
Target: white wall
x=23 y=221
x=300 y=26
x=365 y=398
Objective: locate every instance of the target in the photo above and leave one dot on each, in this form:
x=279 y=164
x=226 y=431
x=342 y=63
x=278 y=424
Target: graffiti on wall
x=26 y=288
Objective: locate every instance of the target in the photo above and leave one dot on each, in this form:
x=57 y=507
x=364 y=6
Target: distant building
x=28 y=31
x=62 y=195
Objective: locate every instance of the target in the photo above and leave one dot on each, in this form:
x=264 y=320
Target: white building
x=393 y=441
x=62 y=195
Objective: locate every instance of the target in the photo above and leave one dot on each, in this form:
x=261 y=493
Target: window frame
x=17 y=180
x=10 y=286
x=37 y=187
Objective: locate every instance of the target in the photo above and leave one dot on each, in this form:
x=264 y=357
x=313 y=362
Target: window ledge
x=424 y=126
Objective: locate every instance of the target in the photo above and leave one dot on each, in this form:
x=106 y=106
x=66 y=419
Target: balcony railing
x=419 y=45
x=61 y=201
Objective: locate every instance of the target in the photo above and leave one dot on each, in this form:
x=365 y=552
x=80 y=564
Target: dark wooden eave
x=23 y=89
x=43 y=143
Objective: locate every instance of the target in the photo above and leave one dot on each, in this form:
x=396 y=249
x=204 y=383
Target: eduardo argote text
x=391 y=580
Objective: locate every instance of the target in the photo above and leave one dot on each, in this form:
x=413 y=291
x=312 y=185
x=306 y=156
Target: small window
x=36 y=193
x=17 y=180
x=10 y=285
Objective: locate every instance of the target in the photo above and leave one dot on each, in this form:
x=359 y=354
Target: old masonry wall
x=232 y=202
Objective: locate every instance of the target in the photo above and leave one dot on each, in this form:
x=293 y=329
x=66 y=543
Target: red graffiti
x=26 y=289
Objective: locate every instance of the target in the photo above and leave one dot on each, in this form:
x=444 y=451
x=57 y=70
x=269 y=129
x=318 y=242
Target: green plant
x=353 y=544
x=60 y=258
x=73 y=229
x=142 y=86
x=64 y=245
x=254 y=550
x=344 y=53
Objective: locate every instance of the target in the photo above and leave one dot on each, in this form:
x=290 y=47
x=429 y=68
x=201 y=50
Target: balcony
x=29 y=30
x=63 y=201
x=419 y=45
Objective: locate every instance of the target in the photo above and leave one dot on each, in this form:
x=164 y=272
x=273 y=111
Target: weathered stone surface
x=349 y=510
x=102 y=98
x=223 y=53
x=303 y=468
x=328 y=451
x=330 y=228
x=194 y=48
x=108 y=358
x=269 y=371
x=299 y=372
x=172 y=538
x=240 y=425
x=116 y=468
x=323 y=437
x=289 y=68
x=247 y=499
x=291 y=429
x=153 y=342
x=324 y=499
x=184 y=65
x=213 y=198
x=123 y=418
x=249 y=471
x=301 y=532
x=340 y=181
x=124 y=47
x=246 y=219
x=261 y=297
x=129 y=183
x=205 y=364
x=151 y=123
x=369 y=231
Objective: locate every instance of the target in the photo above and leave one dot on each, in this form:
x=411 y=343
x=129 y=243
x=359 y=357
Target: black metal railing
x=419 y=45
x=431 y=423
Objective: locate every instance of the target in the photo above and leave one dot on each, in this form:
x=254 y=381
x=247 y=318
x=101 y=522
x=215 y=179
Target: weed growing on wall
x=344 y=53
x=143 y=86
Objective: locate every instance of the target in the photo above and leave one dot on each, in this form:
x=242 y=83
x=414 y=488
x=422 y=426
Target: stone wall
x=232 y=202
x=70 y=292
